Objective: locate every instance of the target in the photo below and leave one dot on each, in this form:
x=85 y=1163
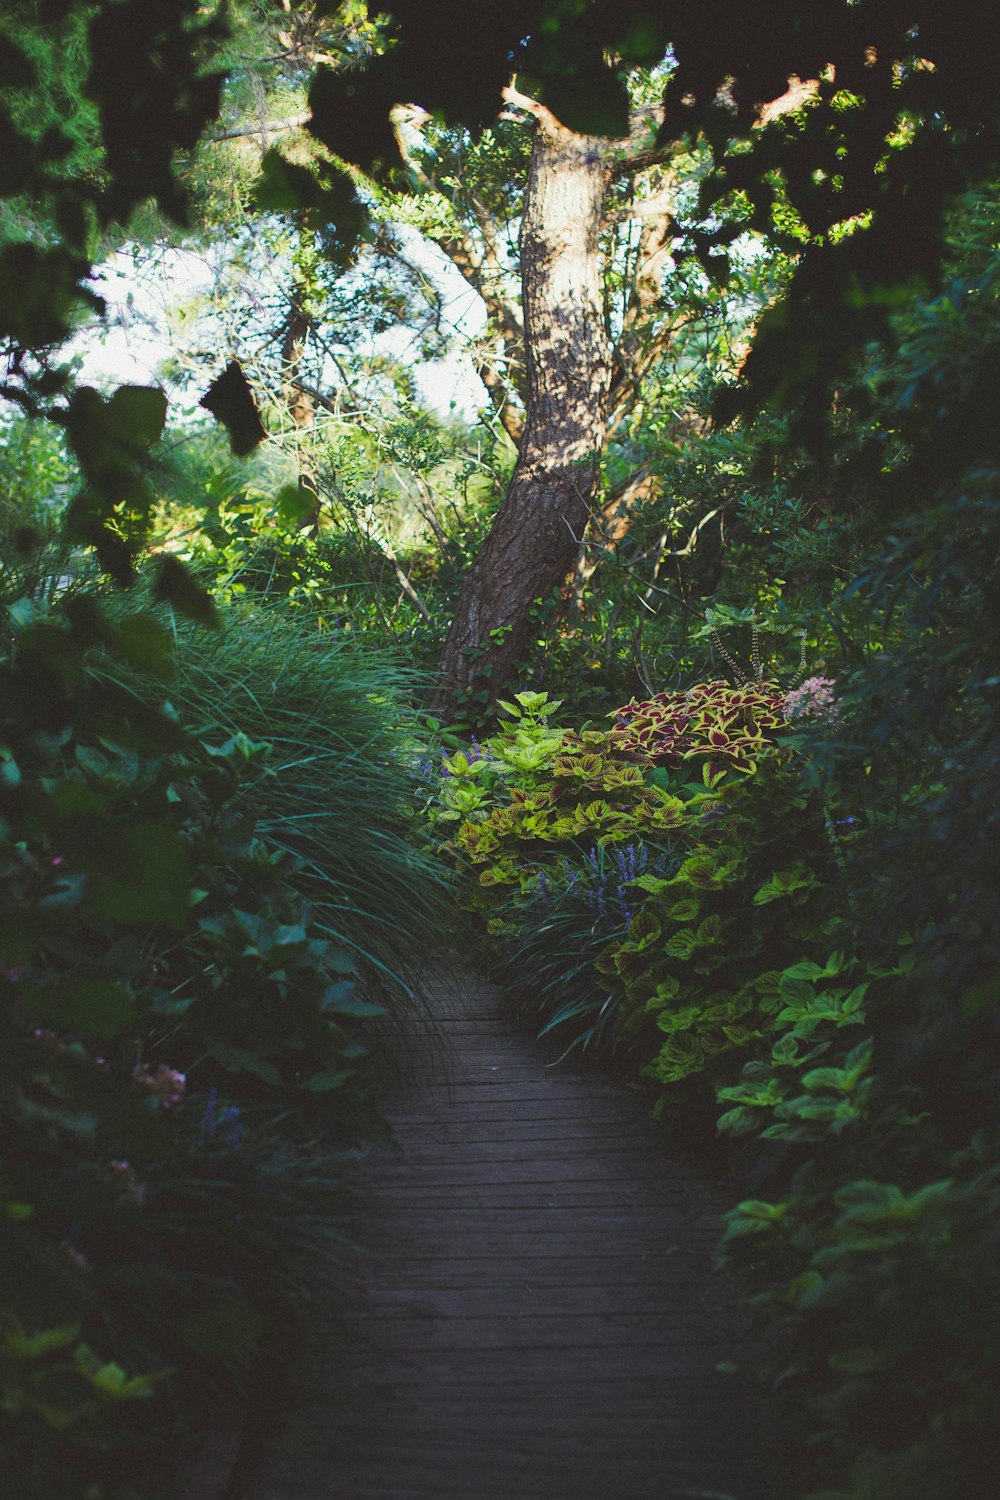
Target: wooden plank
x=594 y=1363
x=586 y=1423
x=674 y=1398
x=574 y=1196
x=486 y=1111
x=453 y=1134
x=567 y=1335
x=513 y=1476
x=572 y=1168
x=597 y=1150
x=457 y=1302
x=537 y=1322
x=623 y=1235
x=459 y=1269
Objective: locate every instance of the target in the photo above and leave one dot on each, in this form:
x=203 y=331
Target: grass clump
x=322 y=722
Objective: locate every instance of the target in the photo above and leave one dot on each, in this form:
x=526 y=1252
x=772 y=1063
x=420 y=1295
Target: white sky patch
x=133 y=341
x=145 y=323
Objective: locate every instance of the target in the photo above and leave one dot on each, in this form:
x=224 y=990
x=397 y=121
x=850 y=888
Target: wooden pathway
x=541 y=1322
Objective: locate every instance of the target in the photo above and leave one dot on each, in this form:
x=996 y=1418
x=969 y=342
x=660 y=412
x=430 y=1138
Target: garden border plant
x=185 y=1045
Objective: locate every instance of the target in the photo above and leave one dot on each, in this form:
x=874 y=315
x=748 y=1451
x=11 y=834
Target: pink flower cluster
x=165 y=1083
x=813 y=703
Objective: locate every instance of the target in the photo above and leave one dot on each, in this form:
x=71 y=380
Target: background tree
x=577 y=380
x=885 y=86
x=465 y=196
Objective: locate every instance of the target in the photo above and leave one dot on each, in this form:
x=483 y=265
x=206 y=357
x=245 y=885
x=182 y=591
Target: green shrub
x=728 y=728
x=715 y=891
x=753 y=893
x=184 y=1067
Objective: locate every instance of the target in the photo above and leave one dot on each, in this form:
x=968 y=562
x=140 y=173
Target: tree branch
x=272 y=128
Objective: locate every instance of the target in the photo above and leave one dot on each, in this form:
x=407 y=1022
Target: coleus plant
x=728 y=728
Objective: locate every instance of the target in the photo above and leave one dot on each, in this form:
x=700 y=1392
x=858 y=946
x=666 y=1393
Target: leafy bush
x=874 y=1255
x=751 y=895
x=551 y=938
x=714 y=893
x=185 y=1073
x=729 y=727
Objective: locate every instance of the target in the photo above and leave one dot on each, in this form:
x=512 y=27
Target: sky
x=145 y=315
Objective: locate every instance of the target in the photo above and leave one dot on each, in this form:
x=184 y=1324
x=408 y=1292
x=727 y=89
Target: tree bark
x=537 y=532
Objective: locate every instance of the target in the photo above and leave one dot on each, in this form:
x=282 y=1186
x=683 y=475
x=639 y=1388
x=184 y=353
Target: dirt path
x=542 y=1322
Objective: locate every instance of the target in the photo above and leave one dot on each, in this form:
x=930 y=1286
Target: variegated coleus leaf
x=729 y=726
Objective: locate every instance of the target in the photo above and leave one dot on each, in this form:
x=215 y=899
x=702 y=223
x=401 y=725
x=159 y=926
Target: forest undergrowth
x=726 y=818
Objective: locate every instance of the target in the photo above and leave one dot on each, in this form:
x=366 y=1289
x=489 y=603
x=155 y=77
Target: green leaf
x=231 y=401
x=294 y=502
x=225 y=1331
x=10 y=771
x=95 y=1006
x=644 y=929
x=144 y=642
x=239 y=1060
x=805 y=970
x=342 y=1000
x=17 y=1344
x=785 y=883
x=340 y=961
x=176 y=586
x=285 y=186
x=862 y=1360
x=141 y=874
x=785 y=1051
x=137 y=414
x=40 y=290
x=323 y=1083
x=596 y=103
x=350 y=115
x=110 y=436
x=757 y=1208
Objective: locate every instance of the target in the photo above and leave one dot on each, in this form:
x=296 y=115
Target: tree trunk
x=537 y=532
x=300 y=405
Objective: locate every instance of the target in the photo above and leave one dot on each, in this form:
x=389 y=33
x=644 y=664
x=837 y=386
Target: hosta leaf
x=238 y=1060
x=325 y=1083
